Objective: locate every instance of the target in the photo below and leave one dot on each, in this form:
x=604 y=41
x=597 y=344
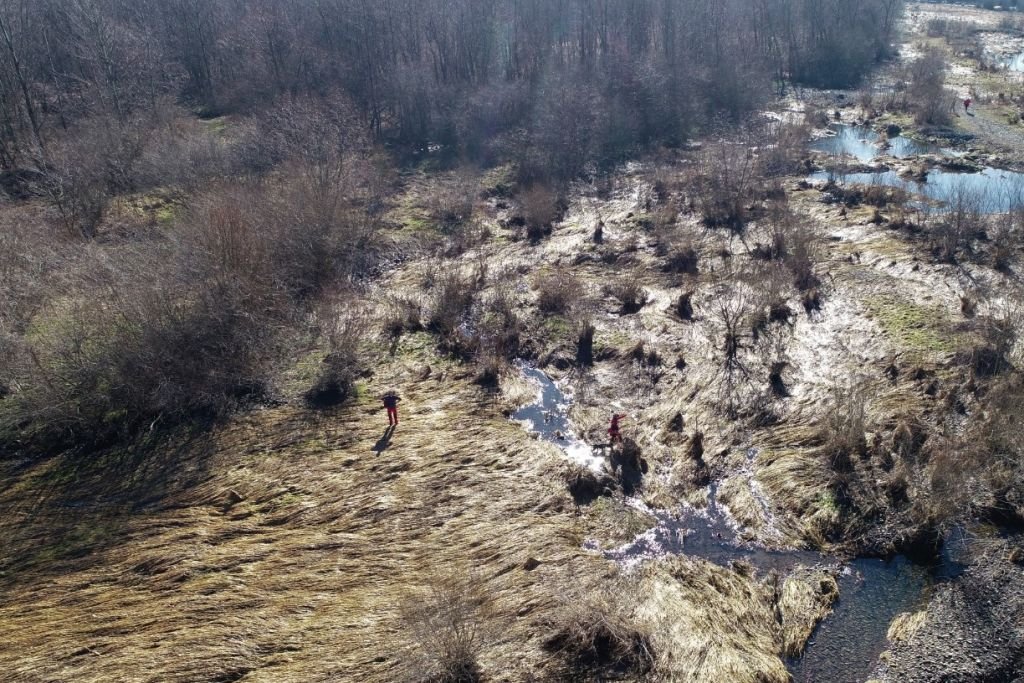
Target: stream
x=845 y=646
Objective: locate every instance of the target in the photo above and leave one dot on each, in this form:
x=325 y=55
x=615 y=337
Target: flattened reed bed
x=289 y=560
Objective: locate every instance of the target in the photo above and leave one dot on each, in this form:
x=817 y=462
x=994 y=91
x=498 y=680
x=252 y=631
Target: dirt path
x=991 y=132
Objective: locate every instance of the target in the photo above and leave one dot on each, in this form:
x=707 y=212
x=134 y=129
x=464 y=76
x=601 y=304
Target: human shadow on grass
x=384 y=441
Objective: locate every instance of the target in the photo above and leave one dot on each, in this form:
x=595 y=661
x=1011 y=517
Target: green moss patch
x=914 y=326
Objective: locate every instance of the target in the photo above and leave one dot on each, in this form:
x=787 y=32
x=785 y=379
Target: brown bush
x=932 y=102
x=344 y=332
x=723 y=185
x=630 y=293
x=145 y=347
x=683 y=259
x=451 y=203
x=454 y=294
x=541 y=207
x=448 y=627
x=403 y=314
x=597 y=637
x=802 y=257
x=585 y=486
x=185 y=327
x=585 y=344
x=498 y=330
x=558 y=291
x=844 y=427
x=684 y=306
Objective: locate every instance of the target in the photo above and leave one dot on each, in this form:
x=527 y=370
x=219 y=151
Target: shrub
x=585 y=344
x=403 y=314
x=723 y=184
x=344 y=334
x=684 y=306
x=451 y=204
x=630 y=293
x=146 y=350
x=927 y=89
x=843 y=431
x=953 y=233
x=683 y=259
x=448 y=630
x=186 y=327
x=598 y=637
x=558 y=291
x=585 y=486
x=541 y=207
x=498 y=330
x=801 y=257
x=453 y=296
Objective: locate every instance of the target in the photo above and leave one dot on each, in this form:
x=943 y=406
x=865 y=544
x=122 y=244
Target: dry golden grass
x=712 y=624
x=807 y=597
x=282 y=546
x=906 y=625
x=797 y=481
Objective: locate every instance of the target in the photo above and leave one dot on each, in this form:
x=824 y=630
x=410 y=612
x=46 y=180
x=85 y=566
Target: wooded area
x=578 y=80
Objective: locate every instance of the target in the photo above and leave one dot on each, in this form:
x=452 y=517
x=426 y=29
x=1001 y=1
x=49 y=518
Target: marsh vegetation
x=762 y=231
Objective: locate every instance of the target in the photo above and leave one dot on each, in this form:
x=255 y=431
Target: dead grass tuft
x=905 y=625
x=598 y=636
x=446 y=626
x=558 y=291
x=688 y=604
x=806 y=598
x=630 y=293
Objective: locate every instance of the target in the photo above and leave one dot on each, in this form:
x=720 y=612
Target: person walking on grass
x=967 y=105
x=615 y=431
x=391 y=400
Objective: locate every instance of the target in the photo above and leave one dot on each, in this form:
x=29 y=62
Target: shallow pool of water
x=864 y=144
x=708 y=534
x=846 y=645
x=995 y=190
x=1012 y=62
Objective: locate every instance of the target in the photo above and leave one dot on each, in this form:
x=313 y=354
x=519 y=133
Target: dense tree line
x=578 y=80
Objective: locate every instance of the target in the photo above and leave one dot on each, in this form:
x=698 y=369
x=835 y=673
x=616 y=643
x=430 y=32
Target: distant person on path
x=391 y=403
x=615 y=431
x=967 y=104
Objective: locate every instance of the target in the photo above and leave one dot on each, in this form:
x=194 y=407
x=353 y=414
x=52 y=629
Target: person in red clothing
x=615 y=431
x=391 y=403
x=967 y=104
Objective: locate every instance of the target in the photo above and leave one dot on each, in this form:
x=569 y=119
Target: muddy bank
x=972 y=630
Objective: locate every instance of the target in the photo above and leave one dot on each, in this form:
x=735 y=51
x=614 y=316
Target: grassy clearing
x=299 y=536
x=912 y=326
x=159 y=207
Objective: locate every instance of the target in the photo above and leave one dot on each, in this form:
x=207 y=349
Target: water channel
x=845 y=646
